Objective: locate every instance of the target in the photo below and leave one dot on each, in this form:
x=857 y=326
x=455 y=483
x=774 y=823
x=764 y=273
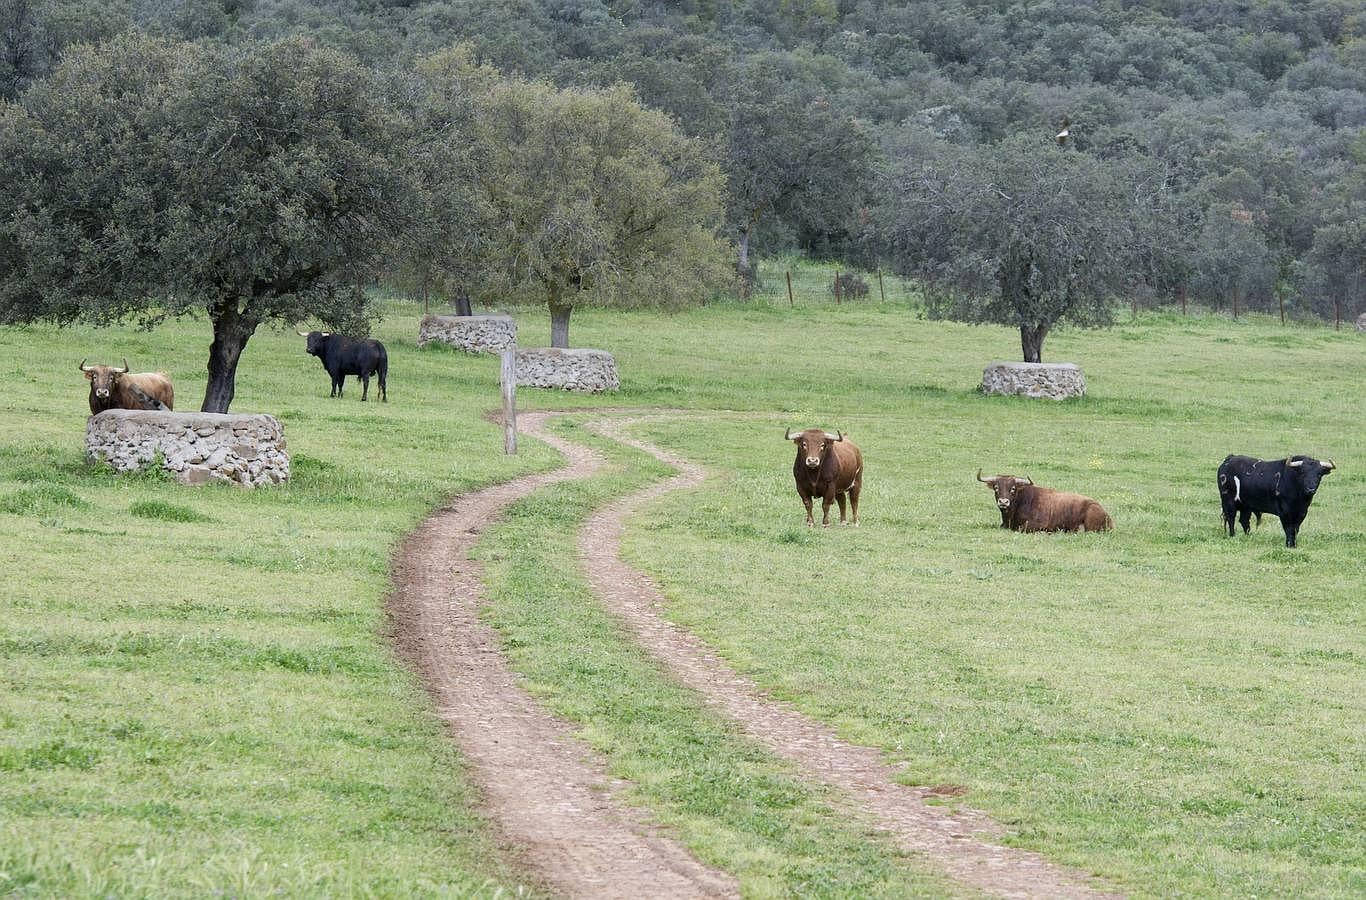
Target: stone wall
x=473 y=334
x=1057 y=381
x=1361 y=322
x=592 y=371
x=246 y=450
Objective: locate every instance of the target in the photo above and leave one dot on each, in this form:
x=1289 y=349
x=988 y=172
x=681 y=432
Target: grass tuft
x=166 y=512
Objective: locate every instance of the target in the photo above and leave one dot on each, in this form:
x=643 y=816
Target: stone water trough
x=473 y=334
x=1056 y=381
x=199 y=448
x=591 y=371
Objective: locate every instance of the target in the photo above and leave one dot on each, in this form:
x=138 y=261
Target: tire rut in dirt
x=952 y=840
x=543 y=790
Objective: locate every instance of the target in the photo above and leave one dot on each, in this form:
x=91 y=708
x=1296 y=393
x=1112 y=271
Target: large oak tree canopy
x=1024 y=233
x=147 y=178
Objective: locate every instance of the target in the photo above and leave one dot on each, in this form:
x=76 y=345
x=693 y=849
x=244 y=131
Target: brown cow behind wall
x=113 y=388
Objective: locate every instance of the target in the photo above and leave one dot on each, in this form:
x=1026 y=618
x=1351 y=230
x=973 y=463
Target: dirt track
x=543 y=790
x=547 y=797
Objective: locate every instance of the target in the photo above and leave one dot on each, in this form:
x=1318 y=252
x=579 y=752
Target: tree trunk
x=230 y=335
x=1031 y=342
x=1181 y=292
x=462 y=303
x=742 y=266
x=559 y=324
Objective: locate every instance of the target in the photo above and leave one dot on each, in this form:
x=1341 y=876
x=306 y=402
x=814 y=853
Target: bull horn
x=301 y=333
x=787 y=434
x=1294 y=463
x=1328 y=464
x=84 y=367
x=984 y=480
x=324 y=333
x=125 y=366
x=1026 y=480
x=839 y=436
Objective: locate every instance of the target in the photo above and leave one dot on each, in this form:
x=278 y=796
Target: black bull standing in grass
x=342 y=356
x=829 y=467
x=1282 y=487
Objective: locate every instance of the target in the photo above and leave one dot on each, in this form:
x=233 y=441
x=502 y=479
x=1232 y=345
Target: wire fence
x=808 y=285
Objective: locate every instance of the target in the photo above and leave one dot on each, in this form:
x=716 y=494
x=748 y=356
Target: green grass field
x=197 y=695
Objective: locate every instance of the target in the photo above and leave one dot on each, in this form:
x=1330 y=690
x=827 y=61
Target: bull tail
x=147 y=400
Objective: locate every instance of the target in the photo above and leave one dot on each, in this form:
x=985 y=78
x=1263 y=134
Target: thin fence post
x=1182 y=292
x=837 y=287
x=1337 y=314
x=789 y=289
x=508 y=378
x=1281 y=299
x=879 y=286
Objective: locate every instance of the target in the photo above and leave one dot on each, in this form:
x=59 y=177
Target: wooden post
x=1337 y=314
x=837 y=287
x=789 y=289
x=1133 y=300
x=1281 y=298
x=1235 y=303
x=508 y=377
x=1181 y=291
x=879 y=286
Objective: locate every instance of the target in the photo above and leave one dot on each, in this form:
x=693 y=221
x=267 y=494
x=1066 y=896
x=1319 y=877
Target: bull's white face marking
x=1237 y=489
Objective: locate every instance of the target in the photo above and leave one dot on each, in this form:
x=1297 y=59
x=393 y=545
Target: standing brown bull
x=1025 y=506
x=829 y=467
x=112 y=388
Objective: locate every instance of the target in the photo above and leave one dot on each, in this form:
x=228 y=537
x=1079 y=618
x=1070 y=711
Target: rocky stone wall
x=200 y=448
x=473 y=334
x=1361 y=322
x=592 y=371
x=1057 y=381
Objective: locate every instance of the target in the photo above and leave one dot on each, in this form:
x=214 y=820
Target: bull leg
x=854 y=491
x=826 y=503
x=364 y=387
x=806 y=501
x=1245 y=520
x=1229 y=512
x=839 y=498
x=1292 y=530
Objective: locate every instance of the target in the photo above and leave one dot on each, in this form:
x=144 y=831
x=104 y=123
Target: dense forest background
x=1244 y=120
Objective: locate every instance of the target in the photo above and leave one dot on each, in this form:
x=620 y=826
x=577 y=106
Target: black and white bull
x=1281 y=487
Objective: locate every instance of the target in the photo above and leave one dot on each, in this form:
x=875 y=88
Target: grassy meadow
x=196 y=694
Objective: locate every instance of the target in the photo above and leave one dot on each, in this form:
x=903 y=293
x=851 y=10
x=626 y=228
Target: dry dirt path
x=958 y=842
x=546 y=795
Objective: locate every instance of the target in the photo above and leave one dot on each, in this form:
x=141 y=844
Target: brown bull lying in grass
x=1025 y=506
x=827 y=466
x=112 y=388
